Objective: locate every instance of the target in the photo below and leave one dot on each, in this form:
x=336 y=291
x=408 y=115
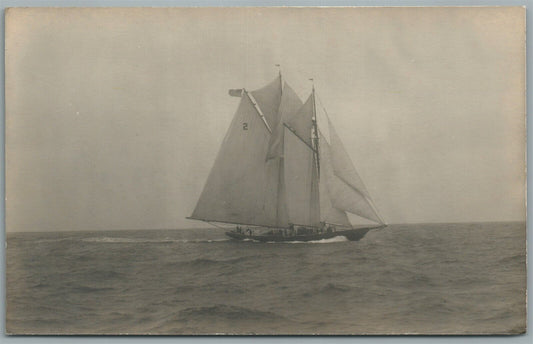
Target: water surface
x=430 y=279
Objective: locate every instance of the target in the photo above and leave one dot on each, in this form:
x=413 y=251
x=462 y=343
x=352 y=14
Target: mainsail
x=276 y=168
x=239 y=188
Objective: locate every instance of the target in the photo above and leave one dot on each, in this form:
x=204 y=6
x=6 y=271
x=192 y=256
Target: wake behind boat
x=283 y=171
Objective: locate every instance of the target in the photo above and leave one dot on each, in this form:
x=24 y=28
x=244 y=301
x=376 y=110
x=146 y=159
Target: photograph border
x=527 y=338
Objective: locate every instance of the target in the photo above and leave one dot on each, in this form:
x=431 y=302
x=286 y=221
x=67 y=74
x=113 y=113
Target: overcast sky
x=114 y=117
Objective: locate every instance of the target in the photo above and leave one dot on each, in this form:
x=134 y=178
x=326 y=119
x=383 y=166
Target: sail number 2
x=245 y=126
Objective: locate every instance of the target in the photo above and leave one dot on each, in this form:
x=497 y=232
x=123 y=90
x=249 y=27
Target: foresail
x=239 y=188
x=342 y=164
x=348 y=199
x=300 y=181
x=343 y=196
x=328 y=213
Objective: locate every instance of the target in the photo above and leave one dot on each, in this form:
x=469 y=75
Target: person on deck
x=291 y=229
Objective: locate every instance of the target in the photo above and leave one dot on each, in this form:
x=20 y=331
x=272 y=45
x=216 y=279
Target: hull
x=355 y=234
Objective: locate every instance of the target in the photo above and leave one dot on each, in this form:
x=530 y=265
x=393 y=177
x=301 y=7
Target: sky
x=114 y=116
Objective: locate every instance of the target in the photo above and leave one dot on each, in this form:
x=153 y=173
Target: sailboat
x=281 y=176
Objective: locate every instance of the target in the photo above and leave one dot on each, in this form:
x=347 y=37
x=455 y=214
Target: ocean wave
x=211 y=287
x=335 y=287
x=218 y=319
x=340 y=238
x=103 y=275
x=222 y=311
x=119 y=240
x=46 y=241
x=330 y=290
x=518 y=258
x=40 y=285
x=112 y=240
x=435 y=305
x=201 y=262
x=87 y=289
x=206 y=262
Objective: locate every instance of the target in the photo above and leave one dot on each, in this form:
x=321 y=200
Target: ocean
x=403 y=279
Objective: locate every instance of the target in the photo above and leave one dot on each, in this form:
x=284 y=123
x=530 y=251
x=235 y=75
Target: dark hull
x=351 y=234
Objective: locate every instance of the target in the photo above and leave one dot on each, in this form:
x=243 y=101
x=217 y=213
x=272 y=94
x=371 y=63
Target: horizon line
x=168 y=229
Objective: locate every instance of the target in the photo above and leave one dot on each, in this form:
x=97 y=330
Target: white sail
x=290 y=104
x=282 y=214
x=345 y=170
x=300 y=123
x=242 y=185
x=300 y=181
x=342 y=164
x=268 y=171
x=268 y=99
x=343 y=196
x=328 y=213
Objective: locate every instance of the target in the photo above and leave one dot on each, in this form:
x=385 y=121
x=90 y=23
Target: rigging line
x=376 y=211
x=298 y=136
x=305 y=226
x=215 y=225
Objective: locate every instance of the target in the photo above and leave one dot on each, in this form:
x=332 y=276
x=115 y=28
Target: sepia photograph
x=265 y=171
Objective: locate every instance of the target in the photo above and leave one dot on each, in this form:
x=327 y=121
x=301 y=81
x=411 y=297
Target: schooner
x=280 y=176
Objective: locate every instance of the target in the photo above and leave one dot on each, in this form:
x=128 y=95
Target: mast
x=280 y=78
x=315 y=132
x=315 y=187
x=280 y=188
